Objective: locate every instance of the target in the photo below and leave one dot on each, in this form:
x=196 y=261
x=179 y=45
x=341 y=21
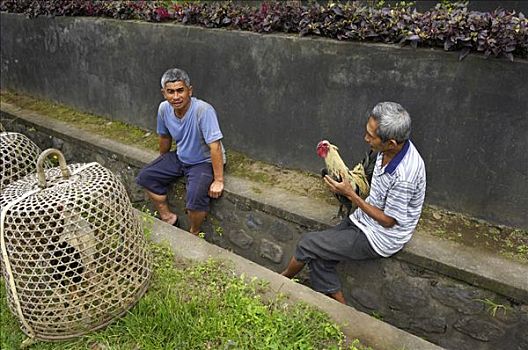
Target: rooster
x=356 y=177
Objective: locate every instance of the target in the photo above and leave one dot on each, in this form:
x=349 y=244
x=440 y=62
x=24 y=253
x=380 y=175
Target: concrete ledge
x=470 y=265
x=355 y=324
x=497 y=274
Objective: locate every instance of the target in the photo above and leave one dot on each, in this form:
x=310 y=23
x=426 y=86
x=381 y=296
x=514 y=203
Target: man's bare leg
x=293 y=268
x=162 y=206
x=338 y=296
x=196 y=218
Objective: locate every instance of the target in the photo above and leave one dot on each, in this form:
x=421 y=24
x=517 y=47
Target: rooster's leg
x=340 y=212
x=343 y=211
x=348 y=208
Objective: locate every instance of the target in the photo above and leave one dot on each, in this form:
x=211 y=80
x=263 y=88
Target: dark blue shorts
x=158 y=175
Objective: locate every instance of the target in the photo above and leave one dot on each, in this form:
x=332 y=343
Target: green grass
x=111 y=129
x=202 y=305
x=492 y=307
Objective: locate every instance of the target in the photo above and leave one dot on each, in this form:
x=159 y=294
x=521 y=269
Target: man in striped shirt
x=385 y=220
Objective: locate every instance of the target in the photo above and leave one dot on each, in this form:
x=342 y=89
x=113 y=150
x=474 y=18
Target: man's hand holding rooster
x=344 y=187
x=346 y=190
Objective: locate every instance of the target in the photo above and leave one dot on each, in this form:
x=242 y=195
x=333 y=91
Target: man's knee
x=199 y=181
x=303 y=249
x=306 y=240
x=142 y=178
x=151 y=183
x=197 y=198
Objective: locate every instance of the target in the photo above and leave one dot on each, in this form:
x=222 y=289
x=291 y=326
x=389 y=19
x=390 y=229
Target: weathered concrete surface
x=468 y=264
x=370 y=331
x=434 y=289
x=278 y=95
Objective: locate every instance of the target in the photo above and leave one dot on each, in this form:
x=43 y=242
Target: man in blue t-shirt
x=199 y=154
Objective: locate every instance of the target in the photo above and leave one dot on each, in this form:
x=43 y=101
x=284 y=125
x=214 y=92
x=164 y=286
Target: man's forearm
x=372 y=211
x=345 y=188
x=217 y=161
x=165 y=144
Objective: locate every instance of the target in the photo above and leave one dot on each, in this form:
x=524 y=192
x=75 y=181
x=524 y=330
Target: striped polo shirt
x=398 y=188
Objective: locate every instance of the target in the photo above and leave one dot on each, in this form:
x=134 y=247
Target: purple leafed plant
x=448 y=25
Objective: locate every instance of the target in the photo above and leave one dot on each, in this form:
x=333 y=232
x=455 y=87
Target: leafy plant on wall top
x=448 y=25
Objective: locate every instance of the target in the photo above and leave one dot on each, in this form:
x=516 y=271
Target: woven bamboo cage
x=19 y=156
x=73 y=251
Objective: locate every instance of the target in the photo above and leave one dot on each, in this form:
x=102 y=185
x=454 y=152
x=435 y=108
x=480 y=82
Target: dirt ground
x=506 y=241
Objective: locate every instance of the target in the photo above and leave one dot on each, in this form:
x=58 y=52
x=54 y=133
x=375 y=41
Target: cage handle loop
x=40 y=165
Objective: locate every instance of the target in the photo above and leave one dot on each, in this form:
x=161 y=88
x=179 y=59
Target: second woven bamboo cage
x=18 y=157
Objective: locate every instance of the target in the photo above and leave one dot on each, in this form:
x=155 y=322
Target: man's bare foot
x=338 y=296
x=171 y=219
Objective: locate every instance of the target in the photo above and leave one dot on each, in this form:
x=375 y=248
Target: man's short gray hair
x=393 y=121
x=173 y=75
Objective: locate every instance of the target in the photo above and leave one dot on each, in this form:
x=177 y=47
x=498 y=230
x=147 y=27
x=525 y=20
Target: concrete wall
x=278 y=95
x=434 y=289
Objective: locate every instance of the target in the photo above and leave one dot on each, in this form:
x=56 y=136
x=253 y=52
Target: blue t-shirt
x=193 y=133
